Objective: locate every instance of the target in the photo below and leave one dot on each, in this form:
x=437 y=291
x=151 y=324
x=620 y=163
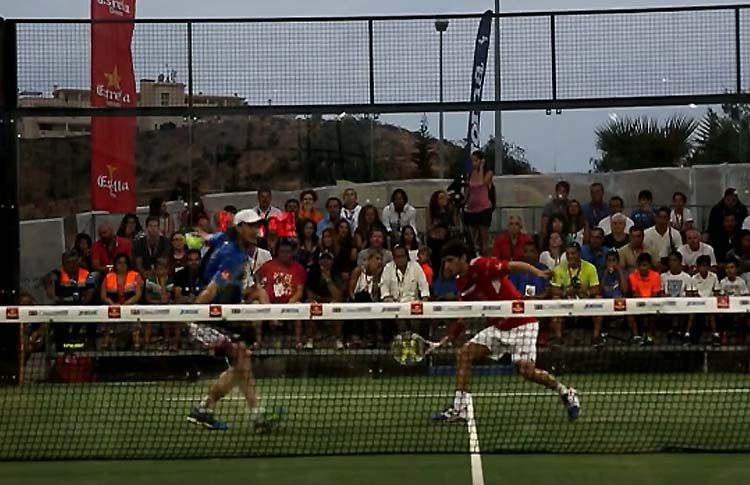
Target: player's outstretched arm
x=208 y=294
x=521 y=267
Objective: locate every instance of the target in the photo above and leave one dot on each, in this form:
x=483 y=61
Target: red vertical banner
x=112 y=85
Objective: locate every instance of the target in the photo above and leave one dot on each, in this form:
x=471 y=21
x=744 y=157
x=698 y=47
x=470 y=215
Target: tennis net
x=120 y=382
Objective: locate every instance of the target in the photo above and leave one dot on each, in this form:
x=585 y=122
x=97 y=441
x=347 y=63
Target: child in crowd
x=644 y=282
x=705 y=284
x=675 y=282
x=643 y=216
x=733 y=285
x=424 y=256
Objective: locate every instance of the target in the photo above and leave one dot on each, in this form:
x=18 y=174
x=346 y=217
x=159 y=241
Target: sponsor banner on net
x=250 y=311
x=453 y=309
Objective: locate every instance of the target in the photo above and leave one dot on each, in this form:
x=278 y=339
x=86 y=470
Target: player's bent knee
x=526 y=368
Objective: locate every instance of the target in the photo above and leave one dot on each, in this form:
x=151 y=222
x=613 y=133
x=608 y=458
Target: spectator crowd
x=338 y=250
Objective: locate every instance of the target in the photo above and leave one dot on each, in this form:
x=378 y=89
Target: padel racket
x=409 y=348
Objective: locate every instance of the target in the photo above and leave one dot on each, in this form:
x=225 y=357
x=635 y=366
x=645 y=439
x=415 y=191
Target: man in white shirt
x=403 y=280
x=616 y=206
x=351 y=209
x=675 y=283
x=733 y=285
x=399 y=214
x=661 y=239
x=264 y=209
x=694 y=248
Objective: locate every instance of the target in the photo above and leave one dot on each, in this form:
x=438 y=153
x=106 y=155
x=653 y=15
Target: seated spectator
x=644 y=282
x=510 y=244
x=307 y=244
x=554 y=255
x=595 y=252
x=630 y=252
x=616 y=206
x=725 y=240
x=333 y=217
x=530 y=286
x=575 y=278
x=369 y=219
x=351 y=209
x=741 y=252
x=558 y=205
x=82 y=246
x=158 y=290
x=187 y=280
x=595 y=210
x=614 y=284
x=730 y=203
x=479 y=203
x=675 y=282
x=409 y=241
x=202 y=223
x=576 y=222
x=398 y=215
x=377 y=245
x=284 y=281
x=325 y=286
x=150 y=248
x=178 y=252
x=403 y=280
x=264 y=209
x=345 y=252
x=559 y=224
x=680 y=218
x=618 y=237
x=746 y=224
x=705 y=284
x=308 y=199
x=364 y=287
x=158 y=208
x=130 y=227
x=732 y=284
x=662 y=239
x=122 y=286
x=424 y=258
x=695 y=248
x=444 y=289
x=644 y=215
x=292 y=206
x=71 y=284
x=441 y=224
x=108 y=246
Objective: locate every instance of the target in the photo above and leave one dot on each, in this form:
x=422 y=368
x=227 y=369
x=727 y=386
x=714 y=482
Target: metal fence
x=391 y=64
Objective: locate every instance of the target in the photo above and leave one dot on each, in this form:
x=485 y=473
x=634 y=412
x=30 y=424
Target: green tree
x=514 y=159
x=424 y=152
x=631 y=143
x=723 y=137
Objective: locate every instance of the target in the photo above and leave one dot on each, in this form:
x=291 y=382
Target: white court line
x=477 y=472
x=418 y=395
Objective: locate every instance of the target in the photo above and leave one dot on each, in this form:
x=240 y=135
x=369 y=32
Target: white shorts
x=519 y=342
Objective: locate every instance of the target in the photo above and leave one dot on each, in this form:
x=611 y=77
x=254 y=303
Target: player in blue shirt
x=227 y=267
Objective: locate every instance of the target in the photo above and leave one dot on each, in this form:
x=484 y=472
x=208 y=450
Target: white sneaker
x=309 y=344
x=339 y=344
x=572 y=403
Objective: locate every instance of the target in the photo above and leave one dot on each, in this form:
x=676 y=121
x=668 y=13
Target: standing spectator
x=325 y=286
x=675 y=282
x=158 y=208
x=424 y=258
x=108 y=246
x=595 y=252
x=644 y=282
x=364 y=287
x=554 y=255
x=680 y=218
x=695 y=248
x=732 y=284
x=616 y=205
x=398 y=215
x=82 y=246
x=705 y=284
x=307 y=246
x=284 y=281
x=150 y=248
x=741 y=252
x=510 y=245
x=178 y=252
x=71 y=284
x=630 y=252
x=529 y=285
x=442 y=223
x=377 y=245
x=130 y=228
x=558 y=205
x=351 y=209
x=725 y=240
x=662 y=239
x=644 y=216
x=369 y=219
x=595 y=210
x=346 y=254
x=122 y=286
x=730 y=203
x=333 y=207
x=264 y=209
x=479 y=205
x=307 y=210
x=409 y=241
x=576 y=222
x=618 y=237
x=187 y=280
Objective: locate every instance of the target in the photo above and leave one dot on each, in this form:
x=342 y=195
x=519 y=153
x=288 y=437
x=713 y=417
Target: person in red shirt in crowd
x=284 y=281
x=644 y=282
x=424 y=258
x=509 y=244
x=486 y=279
x=107 y=247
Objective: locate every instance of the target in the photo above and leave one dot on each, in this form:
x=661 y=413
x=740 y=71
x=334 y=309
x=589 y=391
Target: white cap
x=246 y=216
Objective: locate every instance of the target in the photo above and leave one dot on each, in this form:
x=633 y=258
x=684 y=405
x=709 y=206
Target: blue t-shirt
x=599 y=259
x=643 y=219
x=610 y=282
x=226 y=268
x=595 y=214
x=444 y=288
x=528 y=284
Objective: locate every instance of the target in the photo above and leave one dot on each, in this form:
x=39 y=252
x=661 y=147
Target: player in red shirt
x=485 y=279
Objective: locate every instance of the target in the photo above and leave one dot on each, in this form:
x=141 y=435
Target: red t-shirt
x=505 y=250
x=487 y=280
x=279 y=281
x=106 y=257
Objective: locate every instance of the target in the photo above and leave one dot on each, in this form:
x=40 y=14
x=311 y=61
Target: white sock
x=203 y=406
x=561 y=389
x=461 y=401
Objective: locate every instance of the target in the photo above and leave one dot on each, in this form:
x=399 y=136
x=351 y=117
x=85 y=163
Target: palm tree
x=725 y=137
x=628 y=143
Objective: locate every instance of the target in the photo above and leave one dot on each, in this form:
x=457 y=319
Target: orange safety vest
x=80 y=281
x=113 y=288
